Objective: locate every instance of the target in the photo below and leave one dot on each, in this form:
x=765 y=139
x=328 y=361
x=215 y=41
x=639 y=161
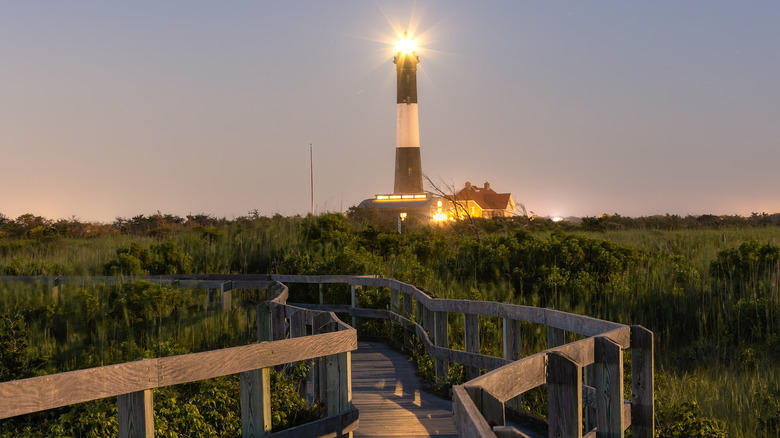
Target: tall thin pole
x=311 y=177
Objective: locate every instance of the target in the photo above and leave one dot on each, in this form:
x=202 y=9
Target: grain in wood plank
x=206 y=365
x=564 y=389
x=48 y=392
x=642 y=369
x=609 y=388
x=135 y=413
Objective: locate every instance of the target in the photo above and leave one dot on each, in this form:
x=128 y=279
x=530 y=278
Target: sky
x=114 y=109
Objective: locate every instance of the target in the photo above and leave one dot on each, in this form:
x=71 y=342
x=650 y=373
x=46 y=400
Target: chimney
x=487 y=185
x=468 y=185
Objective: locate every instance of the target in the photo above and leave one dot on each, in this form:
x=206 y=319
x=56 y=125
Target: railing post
x=55 y=290
x=298 y=330
x=589 y=379
x=408 y=315
x=512 y=342
x=609 y=388
x=471 y=341
x=279 y=325
x=642 y=381
x=227 y=301
x=136 y=414
x=555 y=337
x=320 y=325
x=264 y=332
x=441 y=339
x=256 y=385
x=427 y=322
x=491 y=409
x=339 y=384
x=564 y=399
x=210 y=294
x=256 y=403
x=353 y=295
x=394 y=301
x=322 y=295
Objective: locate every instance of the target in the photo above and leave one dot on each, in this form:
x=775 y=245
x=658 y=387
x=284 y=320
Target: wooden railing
x=293 y=334
x=588 y=372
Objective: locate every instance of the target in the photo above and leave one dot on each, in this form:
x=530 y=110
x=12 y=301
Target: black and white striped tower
x=408 y=167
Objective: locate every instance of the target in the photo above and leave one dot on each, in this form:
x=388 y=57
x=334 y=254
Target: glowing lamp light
x=405 y=45
x=439 y=217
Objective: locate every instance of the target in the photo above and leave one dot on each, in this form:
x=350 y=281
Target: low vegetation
x=707 y=286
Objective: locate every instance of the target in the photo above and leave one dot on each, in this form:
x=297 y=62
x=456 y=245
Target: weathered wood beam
x=564 y=402
x=609 y=388
x=471 y=341
x=136 y=414
x=642 y=381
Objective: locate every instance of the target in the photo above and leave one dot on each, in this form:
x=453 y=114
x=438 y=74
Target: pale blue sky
x=115 y=109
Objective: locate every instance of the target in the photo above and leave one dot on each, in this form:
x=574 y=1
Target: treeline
x=163 y=224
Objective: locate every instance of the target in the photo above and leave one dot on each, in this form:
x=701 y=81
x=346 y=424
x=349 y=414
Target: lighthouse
x=408 y=200
x=408 y=166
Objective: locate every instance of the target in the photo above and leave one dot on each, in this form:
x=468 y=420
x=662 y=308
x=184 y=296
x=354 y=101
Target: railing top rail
x=51 y=391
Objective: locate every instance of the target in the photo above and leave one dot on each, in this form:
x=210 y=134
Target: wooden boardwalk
x=388 y=395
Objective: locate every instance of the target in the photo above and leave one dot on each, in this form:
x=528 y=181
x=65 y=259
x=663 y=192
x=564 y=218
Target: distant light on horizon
x=557 y=218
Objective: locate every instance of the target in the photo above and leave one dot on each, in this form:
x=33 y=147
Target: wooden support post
x=555 y=337
x=298 y=330
x=512 y=351
x=256 y=384
x=642 y=381
x=511 y=339
x=395 y=304
x=589 y=379
x=418 y=312
x=609 y=388
x=210 y=294
x=279 y=325
x=298 y=324
x=490 y=407
x=55 y=291
x=471 y=341
x=441 y=339
x=339 y=384
x=322 y=295
x=332 y=379
x=353 y=295
x=345 y=384
x=407 y=314
x=136 y=414
x=564 y=396
x=264 y=319
x=320 y=325
x=427 y=321
x=256 y=403
x=227 y=300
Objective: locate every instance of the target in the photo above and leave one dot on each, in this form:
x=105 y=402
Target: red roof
x=485 y=197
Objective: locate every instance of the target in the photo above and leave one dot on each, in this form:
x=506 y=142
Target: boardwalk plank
x=386 y=390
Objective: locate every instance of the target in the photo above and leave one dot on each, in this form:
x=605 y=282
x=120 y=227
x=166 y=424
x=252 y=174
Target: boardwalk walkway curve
x=588 y=372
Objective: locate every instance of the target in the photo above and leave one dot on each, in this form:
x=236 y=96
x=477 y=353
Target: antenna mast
x=311 y=177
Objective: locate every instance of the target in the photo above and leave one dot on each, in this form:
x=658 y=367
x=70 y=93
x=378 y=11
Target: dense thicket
x=707 y=286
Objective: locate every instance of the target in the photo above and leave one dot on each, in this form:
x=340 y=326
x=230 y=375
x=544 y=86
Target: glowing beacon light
x=406 y=45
